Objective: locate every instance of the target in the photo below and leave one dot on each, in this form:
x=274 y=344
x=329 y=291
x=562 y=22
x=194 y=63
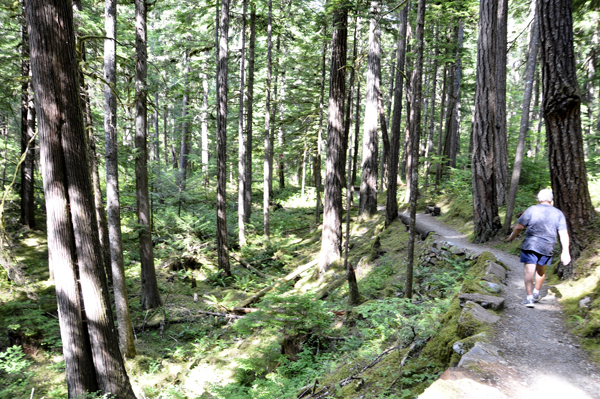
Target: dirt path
x=542 y=356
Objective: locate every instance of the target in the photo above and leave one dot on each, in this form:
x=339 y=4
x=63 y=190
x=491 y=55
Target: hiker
x=542 y=222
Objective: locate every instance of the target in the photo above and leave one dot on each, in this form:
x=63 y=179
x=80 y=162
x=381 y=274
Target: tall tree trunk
x=92 y=358
x=242 y=134
x=320 y=137
x=353 y=293
x=222 y=245
x=356 y=130
x=429 y=148
x=27 y=134
x=562 y=116
x=331 y=241
x=524 y=126
x=440 y=148
x=280 y=133
x=150 y=297
x=368 y=184
x=117 y=264
x=156 y=130
x=348 y=117
x=250 y=110
x=267 y=138
x=204 y=123
x=501 y=145
x=451 y=143
x=485 y=206
x=183 y=157
x=415 y=123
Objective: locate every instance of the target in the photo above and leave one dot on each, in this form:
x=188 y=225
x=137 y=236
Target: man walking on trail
x=542 y=221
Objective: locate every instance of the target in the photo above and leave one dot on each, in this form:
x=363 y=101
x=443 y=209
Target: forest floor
x=542 y=358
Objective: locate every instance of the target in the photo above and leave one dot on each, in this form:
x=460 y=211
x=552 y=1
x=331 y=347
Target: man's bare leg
x=540 y=276
x=529 y=269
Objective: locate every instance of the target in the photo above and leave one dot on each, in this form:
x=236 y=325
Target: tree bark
x=267 y=138
x=183 y=157
x=27 y=134
x=320 y=138
x=150 y=297
x=413 y=160
x=524 y=126
x=222 y=245
x=368 y=184
x=242 y=134
x=204 y=123
x=92 y=358
x=250 y=110
x=485 y=206
x=391 y=206
x=117 y=264
x=501 y=145
x=331 y=242
x=562 y=116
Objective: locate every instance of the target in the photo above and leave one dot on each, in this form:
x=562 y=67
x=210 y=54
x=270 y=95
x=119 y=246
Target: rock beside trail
x=495 y=269
x=486 y=301
x=472 y=318
x=481 y=353
x=459 y=383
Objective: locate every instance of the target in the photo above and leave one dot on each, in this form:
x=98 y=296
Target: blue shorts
x=535 y=258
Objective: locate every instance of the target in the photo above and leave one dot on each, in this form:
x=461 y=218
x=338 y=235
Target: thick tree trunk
x=126 y=341
x=524 y=126
x=485 y=206
x=222 y=245
x=562 y=115
x=92 y=358
x=267 y=138
x=501 y=145
x=391 y=207
x=250 y=110
x=413 y=160
x=150 y=297
x=27 y=134
x=242 y=134
x=368 y=184
x=331 y=242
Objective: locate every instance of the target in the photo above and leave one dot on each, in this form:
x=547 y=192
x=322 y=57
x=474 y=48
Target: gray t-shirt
x=542 y=222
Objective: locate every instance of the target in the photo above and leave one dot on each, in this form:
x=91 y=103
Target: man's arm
x=565 y=256
x=516 y=231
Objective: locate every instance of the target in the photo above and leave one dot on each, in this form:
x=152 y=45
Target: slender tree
x=267 y=138
x=126 y=342
x=391 y=207
x=27 y=134
x=485 y=206
x=562 y=116
x=150 y=297
x=524 y=125
x=185 y=134
x=92 y=358
x=242 y=134
x=222 y=72
x=415 y=123
x=320 y=137
x=250 y=112
x=331 y=241
x=368 y=184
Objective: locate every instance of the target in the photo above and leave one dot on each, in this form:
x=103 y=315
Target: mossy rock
x=473 y=319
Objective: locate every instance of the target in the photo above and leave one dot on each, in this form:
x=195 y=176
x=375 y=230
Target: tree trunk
x=92 y=358
x=353 y=293
x=27 y=134
x=356 y=130
x=524 y=126
x=204 y=123
x=440 y=148
x=331 y=242
x=429 y=148
x=562 y=116
x=368 y=184
x=485 y=206
x=242 y=134
x=280 y=135
x=126 y=340
x=413 y=160
x=501 y=145
x=150 y=297
x=251 y=48
x=320 y=137
x=451 y=144
x=391 y=206
x=183 y=157
x=156 y=130
x=222 y=245
x=267 y=138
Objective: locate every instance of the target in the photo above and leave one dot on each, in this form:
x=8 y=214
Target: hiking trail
x=541 y=357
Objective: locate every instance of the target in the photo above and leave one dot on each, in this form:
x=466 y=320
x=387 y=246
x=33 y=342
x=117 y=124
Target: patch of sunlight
x=555 y=386
x=198 y=379
x=576 y=289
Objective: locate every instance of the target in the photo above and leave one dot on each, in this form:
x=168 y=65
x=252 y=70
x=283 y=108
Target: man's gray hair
x=545 y=195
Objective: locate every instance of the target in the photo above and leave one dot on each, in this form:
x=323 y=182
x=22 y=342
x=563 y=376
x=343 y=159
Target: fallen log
x=421 y=230
x=250 y=267
x=248 y=301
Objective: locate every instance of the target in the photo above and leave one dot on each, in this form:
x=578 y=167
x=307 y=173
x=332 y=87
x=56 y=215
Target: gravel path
x=542 y=356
